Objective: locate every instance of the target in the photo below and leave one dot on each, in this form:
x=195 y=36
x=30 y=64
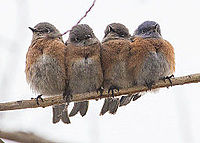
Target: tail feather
x=83 y=108
x=60 y=113
x=105 y=107
x=75 y=109
x=65 y=116
x=57 y=113
x=125 y=100
x=113 y=105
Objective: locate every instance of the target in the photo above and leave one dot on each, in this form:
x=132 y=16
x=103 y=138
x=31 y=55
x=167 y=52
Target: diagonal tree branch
x=81 y=18
x=79 y=21
x=23 y=104
x=22 y=137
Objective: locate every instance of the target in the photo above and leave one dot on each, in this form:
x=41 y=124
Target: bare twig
x=81 y=18
x=23 y=104
x=23 y=137
x=1 y=141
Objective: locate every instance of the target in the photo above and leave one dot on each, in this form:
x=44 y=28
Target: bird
x=83 y=64
x=151 y=58
x=115 y=49
x=45 y=66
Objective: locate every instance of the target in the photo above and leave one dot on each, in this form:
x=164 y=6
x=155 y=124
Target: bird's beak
x=156 y=27
x=33 y=29
x=110 y=28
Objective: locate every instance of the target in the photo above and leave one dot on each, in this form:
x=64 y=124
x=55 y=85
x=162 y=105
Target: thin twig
x=81 y=18
x=23 y=137
x=23 y=104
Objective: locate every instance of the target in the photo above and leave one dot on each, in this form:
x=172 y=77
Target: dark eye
x=143 y=31
x=76 y=39
x=88 y=36
x=122 y=35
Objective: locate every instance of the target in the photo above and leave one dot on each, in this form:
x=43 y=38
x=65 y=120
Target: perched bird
x=115 y=49
x=45 y=66
x=151 y=58
x=83 y=64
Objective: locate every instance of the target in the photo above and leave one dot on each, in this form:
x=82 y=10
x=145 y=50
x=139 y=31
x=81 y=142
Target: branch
x=23 y=104
x=1 y=141
x=22 y=137
x=81 y=18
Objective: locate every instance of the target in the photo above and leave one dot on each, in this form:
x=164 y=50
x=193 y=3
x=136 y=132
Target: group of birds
x=84 y=64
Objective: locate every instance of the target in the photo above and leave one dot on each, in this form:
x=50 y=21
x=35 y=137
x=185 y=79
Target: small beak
x=33 y=29
x=110 y=28
x=156 y=27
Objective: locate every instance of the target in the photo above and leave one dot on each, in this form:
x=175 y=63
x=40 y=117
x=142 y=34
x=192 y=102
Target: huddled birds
x=84 y=64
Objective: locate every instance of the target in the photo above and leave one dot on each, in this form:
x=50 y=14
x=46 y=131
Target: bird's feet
x=67 y=96
x=111 y=89
x=37 y=99
x=149 y=85
x=168 y=78
x=100 y=90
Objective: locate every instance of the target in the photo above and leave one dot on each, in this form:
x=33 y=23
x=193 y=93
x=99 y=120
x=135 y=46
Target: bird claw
x=168 y=78
x=67 y=96
x=100 y=90
x=149 y=85
x=37 y=99
x=112 y=88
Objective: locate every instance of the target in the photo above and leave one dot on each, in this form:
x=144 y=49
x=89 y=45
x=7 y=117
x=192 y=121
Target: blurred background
x=171 y=115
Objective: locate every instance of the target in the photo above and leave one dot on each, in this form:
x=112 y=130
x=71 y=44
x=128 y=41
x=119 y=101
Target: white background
x=171 y=115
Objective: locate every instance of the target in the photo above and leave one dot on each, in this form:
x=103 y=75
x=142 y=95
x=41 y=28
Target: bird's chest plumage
x=46 y=76
x=84 y=68
x=45 y=70
x=155 y=64
x=84 y=75
x=114 y=57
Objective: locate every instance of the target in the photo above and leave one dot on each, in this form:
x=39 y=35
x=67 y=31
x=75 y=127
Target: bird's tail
x=60 y=112
x=81 y=107
x=111 y=105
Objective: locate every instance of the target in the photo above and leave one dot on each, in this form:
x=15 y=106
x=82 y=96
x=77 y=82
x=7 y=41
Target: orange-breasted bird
x=115 y=49
x=151 y=57
x=45 y=66
x=83 y=64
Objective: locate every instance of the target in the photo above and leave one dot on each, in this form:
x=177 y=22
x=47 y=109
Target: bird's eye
x=89 y=36
x=143 y=31
x=122 y=35
x=76 y=39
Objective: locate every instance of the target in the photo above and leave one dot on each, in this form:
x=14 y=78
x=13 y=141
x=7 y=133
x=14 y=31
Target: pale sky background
x=171 y=115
